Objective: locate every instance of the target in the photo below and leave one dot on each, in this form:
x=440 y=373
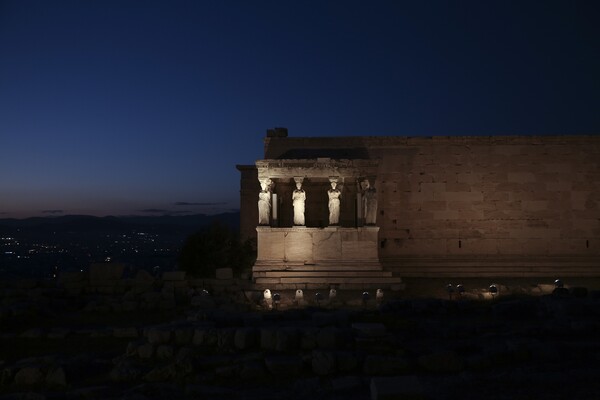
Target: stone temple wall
x=518 y=201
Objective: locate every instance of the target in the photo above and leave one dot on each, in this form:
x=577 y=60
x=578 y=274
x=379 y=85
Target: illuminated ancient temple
x=439 y=206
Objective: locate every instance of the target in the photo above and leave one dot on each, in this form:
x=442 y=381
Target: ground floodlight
x=460 y=289
x=267 y=294
x=365 y=298
x=318 y=298
x=450 y=290
x=379 y=295
x=332 y=293
x=276 y=299
x=558 y=283
x=493 y=290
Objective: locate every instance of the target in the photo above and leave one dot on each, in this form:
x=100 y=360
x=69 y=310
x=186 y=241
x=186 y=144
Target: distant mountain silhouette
x=88 y=223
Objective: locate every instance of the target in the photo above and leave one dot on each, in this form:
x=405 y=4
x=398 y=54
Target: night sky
x=146 y=107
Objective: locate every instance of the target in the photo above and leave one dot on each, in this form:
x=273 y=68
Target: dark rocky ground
x=154 y=339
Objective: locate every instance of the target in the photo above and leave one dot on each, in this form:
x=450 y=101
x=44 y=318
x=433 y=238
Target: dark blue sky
x=129 y=107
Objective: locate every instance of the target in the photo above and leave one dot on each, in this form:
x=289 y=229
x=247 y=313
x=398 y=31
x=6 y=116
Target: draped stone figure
x=264 y=205
x=298 y=200
x=370 y=203
x=334 y=204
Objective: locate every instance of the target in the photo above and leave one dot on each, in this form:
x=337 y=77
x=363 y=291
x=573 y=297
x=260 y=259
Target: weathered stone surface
x=253 y=371
x=29 y=375
x=165 y=352
x=369 y=330
x=161 y=373
x=105 y=273
x=159 y=335
x=346 y=361
x=323 y=363
x=205 y=337
x=245 y=338
x=284 y=365
x=398 y=387
x=224 y=273
x=56 y=377
x=146 y=350
x=346 y=383
x=331 y=338
x=225 y=338
x=268 y=338
x=183 y=335
x=125 y=372
x=444 y=361
x=126 y=332
x=287 y=339
x=173 y=275
x=385 y=365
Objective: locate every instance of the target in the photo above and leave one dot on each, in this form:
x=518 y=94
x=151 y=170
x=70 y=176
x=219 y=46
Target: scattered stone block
x=398 y=387
x=145 y=351
x=161 y=373
x=268 y=339
x=224 y=273
x=183 y=335
x=125 y=372
x=205 y=337
x=173 y=276
x=245 y=338
x=346 y=361
x=56 y=377
x=346 y=383
x=58 y=333
x=284 y=366
x=29 y=375
x=159 y=335
x=385 y=365
x=34 y=333
x=104 y=272
x=331 y=338
x=323 y=363
x=253 y=371
x=444 y=361
x=287 y=340
x=369 y=330
x=165 y=352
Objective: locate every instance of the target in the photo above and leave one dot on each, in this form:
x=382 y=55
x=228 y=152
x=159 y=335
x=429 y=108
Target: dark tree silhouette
x=215 y=247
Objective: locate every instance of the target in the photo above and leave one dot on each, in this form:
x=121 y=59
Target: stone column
x=299 y=202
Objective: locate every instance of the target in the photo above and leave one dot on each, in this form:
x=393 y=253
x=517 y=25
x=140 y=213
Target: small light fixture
x=276 y=299
x=460 y=289
x=318 y=298
x=558 y=284
x=379 y=296
x=365 y=298
x=450 y=290
x=493 y=290
x=332 y=294
x=299 y=295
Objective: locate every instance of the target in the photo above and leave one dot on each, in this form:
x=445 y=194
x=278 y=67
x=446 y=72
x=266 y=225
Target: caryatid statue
x=264 y=202
x=334 y=202
x=298 y=201
x=369 y=203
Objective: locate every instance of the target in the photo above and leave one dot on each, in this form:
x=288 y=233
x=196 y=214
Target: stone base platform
x=320 y=258
x=325 y=275
x=498 y=266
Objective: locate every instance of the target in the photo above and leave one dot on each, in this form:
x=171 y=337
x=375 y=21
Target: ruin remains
x=443 y=206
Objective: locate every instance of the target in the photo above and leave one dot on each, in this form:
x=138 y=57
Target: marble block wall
x=502 y=196
x=314 y=245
